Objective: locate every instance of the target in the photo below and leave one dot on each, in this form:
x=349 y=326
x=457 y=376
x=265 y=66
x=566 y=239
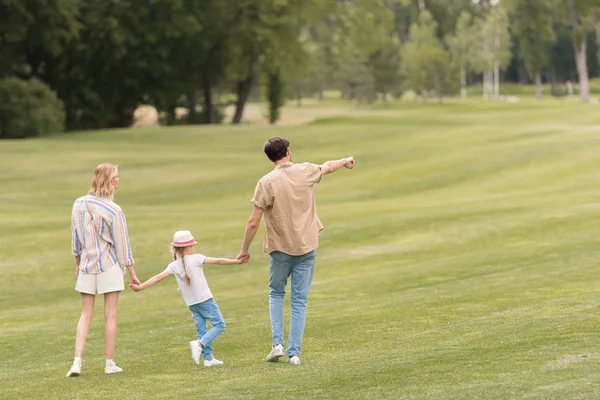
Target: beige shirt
x=287 y=199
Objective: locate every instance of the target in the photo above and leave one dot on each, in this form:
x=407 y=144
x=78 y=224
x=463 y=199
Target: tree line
x=97 y=61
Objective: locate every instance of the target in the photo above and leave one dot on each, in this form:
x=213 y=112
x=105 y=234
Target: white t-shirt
x=198 y=290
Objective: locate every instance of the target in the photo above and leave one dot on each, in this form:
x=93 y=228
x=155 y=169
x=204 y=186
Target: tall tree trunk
x=243 y=89
x=538 y=85
x=298 y=99
x=582 y=70
x=463 y=82
x=421 y=5
x=496 y=80
x=579 y=35
x=486 y=85
x=208 y=100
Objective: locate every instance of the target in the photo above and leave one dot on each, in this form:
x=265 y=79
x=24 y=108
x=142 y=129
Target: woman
x=102 y=254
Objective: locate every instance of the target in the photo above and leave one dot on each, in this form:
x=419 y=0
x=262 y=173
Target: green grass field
x=459 y=259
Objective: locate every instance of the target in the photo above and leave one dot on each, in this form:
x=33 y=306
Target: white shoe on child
x=210 y=363
x=196 y=351
x=74 y=371
x=276 y=353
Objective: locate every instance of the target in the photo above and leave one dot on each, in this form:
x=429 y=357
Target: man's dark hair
x=276 y=148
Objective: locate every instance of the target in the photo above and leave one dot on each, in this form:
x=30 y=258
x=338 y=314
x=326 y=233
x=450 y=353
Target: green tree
x=532 y=24
x=275 y=95
x=462 y=48
x=425 y=62
x=29 y=108
x=31 y=32
x=494 y=48
x=583 y=15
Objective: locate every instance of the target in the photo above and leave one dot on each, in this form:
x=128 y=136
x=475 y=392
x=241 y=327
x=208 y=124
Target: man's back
x=287 y=199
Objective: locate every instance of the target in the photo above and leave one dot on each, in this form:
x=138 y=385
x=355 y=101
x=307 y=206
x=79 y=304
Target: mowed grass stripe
x=458 y=259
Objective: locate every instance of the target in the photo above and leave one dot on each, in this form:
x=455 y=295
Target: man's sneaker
x=196 y=351
x=74 y=371
x=294 y=360
x=112 y=370
x=276 y=353
x=210 y=363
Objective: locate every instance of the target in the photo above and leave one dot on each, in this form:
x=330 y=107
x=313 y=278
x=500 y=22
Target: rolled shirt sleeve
x=313 y=172
x=262 y=198
x=120 y=238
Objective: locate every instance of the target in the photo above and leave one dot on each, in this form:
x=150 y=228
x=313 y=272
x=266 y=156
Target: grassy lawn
x=459 y=259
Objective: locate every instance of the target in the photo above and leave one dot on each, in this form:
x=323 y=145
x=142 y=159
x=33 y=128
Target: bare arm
x=222 y=261
x=150 y=282
x=251 y=228
x=133 y=279
x=331 y=166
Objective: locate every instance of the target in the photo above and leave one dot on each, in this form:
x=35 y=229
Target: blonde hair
x=177 y=253
x=102 y=181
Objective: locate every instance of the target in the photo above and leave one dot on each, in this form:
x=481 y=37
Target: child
x=187 y=268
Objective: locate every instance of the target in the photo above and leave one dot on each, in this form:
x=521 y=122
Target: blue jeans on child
x=201 y=312
x=301 y=269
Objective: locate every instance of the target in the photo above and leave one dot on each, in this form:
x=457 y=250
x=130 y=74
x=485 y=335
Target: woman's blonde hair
x=102 y=181
x=178 y=254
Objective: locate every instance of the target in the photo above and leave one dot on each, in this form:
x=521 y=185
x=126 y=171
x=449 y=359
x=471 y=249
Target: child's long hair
x=102 y=181
x=178 y=254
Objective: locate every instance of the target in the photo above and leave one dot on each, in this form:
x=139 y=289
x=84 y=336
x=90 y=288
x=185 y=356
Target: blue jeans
x=207 y=310
x=301 y=269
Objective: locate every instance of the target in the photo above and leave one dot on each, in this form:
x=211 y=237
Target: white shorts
x=104 y=282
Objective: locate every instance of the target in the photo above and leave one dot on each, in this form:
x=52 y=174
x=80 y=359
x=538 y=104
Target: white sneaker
x=112 y=370
x=74 y=371
x=196 y=351
x=294 y=360
x=214 y=361
x=276 y=353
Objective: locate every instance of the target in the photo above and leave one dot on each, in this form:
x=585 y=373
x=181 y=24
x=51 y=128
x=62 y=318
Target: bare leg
x=111 y=300
x=87 y=312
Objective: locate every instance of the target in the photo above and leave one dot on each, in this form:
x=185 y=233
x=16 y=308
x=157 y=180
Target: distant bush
x=29 y=108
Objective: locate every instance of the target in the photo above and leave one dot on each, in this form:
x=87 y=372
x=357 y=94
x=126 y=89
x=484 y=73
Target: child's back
x=197 y=291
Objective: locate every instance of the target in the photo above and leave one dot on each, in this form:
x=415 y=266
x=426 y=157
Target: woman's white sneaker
x=74 y=371
x=112 y=370
x=210 y=363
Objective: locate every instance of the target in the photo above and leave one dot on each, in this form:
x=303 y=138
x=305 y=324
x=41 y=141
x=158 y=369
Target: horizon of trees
x=104 y=59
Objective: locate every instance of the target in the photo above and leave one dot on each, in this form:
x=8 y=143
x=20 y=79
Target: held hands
x=135 y=287
x=243 y=257
x=134 y=282
x=350 y=162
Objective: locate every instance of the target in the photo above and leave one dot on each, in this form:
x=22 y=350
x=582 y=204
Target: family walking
x=103 y=256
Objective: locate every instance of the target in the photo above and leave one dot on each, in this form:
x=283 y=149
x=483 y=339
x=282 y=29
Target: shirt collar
x=284 y=165
x=102 y=197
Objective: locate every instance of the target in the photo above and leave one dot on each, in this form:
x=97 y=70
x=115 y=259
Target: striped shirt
x=101 y=241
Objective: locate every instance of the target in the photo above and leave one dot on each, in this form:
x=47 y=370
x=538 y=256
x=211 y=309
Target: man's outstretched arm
x=332 y=166
x=251 y=228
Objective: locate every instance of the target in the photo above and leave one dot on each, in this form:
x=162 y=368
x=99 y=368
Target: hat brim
x=184 y=244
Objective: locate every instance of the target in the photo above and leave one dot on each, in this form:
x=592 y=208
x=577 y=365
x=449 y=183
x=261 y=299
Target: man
x=285 y=197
